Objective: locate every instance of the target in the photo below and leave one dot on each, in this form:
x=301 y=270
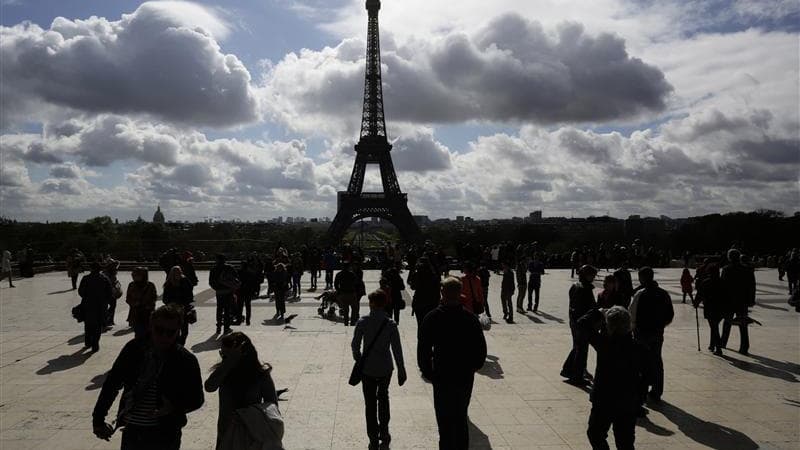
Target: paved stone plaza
x=49 y=384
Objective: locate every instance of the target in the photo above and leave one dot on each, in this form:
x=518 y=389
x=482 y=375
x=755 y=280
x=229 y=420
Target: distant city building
x=460 y=219
x=535 y=216
x=158 y=217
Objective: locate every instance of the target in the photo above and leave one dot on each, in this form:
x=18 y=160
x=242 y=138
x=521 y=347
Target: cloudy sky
x=249 y=109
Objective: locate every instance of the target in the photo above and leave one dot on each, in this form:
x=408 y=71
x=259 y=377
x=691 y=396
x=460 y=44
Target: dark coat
x=711 y=293
x=451 y=345
x=96 y=293
x=507 y=286
x=179 y=382
x=581 y=300
x=619 y=370
x=181 y=294
x=740 y=286
x=426 y=286
x=653 y=311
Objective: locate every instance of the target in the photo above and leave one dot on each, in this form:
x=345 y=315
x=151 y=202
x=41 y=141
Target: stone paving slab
x=48 y=386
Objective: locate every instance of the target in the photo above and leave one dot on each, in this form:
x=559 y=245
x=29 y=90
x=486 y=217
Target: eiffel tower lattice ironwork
x=373 y=147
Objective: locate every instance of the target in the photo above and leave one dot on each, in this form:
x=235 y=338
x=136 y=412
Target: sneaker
x=530 y=308
x=520 y=310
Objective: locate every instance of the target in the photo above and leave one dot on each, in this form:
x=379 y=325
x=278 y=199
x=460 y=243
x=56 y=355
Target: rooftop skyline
x=495 y=109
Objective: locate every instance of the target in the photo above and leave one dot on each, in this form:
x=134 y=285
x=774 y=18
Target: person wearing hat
x=581 y=301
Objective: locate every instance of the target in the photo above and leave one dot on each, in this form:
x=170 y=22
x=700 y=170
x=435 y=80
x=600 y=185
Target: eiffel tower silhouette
x=373 y=148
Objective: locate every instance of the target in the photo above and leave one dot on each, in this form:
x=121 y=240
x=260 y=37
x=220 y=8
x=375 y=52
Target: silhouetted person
x=161 y=384
x=243 y=381
x=624 y=283
x=472 y=295
x=6 y=269
x=141 y=298
x=74 y=266
x=581 y=301
x=178 y=291
x=381 y=338
x=610 y=295
x=346 y=286
x=507 y=292
x=618 y=376
x=281 y=283
x=425 y=282
x=96 y=292
x=222 y=278
x=110 y=270
x=686 y=285
x=451 y=349
x=711 y=293
x=187 y=267
x=651 y=311
x=484 y=273
x=739 y=283
x=536 y=269
x=396 y=287
x=522 y=283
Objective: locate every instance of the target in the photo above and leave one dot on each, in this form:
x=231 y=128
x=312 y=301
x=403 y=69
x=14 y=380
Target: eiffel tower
x=373 y=148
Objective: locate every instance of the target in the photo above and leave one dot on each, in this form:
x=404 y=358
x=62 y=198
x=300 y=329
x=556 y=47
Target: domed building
x=158 y=217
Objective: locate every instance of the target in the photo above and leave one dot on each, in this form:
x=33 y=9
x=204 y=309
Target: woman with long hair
x=242 y=379
x=178 y=290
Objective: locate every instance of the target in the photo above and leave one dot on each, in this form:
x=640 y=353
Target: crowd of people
x=161 y=380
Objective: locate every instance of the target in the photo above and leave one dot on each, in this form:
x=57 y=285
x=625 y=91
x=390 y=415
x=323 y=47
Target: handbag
x=77 y=313
x=355 y=374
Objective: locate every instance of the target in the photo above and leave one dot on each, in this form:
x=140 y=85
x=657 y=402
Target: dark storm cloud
x=68 y=171
x=420 y=152
x=771 y=151
x=148 y=62
x=65 y=187
x=509 y=71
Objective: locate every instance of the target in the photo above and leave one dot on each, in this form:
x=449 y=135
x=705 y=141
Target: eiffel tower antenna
x=373 y=147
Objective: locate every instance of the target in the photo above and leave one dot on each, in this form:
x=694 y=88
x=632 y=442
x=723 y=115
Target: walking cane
x=697 y=322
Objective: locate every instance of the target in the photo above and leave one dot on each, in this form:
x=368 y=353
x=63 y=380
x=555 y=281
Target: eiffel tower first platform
x=373 y=147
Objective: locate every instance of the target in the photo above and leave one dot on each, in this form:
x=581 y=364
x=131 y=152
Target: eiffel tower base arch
x=392 y=208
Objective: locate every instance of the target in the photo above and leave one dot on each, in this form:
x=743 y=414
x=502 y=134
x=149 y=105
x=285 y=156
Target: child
x=686 y=285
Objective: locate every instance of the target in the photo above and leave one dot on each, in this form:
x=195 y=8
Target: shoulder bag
x=355 y=374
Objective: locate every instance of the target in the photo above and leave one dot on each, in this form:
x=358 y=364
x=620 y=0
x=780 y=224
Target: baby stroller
x=327 y=307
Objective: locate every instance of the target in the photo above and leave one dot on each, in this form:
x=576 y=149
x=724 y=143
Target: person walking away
x=618 y=376
x=161 y=383
x=187 y=267
x=507 y=292
x=397 y=286
x=96 y=292
x=522 y=283
x=651 y=311
x=536 y=269
x=178 y=291
x=110 y=270
x=376 y=336
x=222 y=278
x=361 y=290
x=581 y=301
x=472 y=296
x=243 y=381
x=141 y=298
x=297 y=273
x=425 y=282
x=624 y=282
x=451 y=349
x=574 y=260
x=346 y=288
x=250 y=275
x=329 y=261
x=281 y=285
x=609 y=296
x=739 y=283
x=74 y=266
x=6 y=269
x=710 y=292
x=484 y=274
x=686 y=285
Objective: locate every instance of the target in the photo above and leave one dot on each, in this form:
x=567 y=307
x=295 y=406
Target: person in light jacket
x=381 y=333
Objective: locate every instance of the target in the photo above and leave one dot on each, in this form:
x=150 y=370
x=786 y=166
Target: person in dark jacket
x=178 y=291
x=425 y=282
x=96 y=293
x=618 y=376
x=536 y=269
x=624 y=283
x=396 y=286
x=346 y=285
x=651 y=311
x=281 y=283
x=161 y=384
x=507 y=292
x=711 y=294
x=739 y=283
x=377 y=368
x=451 y=349
x=222 y=278
x=187 y=267
x=581 y=301
x=484 y=273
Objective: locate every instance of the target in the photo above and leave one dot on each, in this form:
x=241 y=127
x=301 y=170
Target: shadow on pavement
x=60 y=292
x=491 y=368
x=763 y=369
x=96 y=382
x=706 y=433
x=76 y=340
x=786 y=366
x=123 y=332
x=211 y=343
x=533 y=318
x=549 y=317
x=477 y=438
x=775 y=308
x=65 y=362
x=653 y=428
